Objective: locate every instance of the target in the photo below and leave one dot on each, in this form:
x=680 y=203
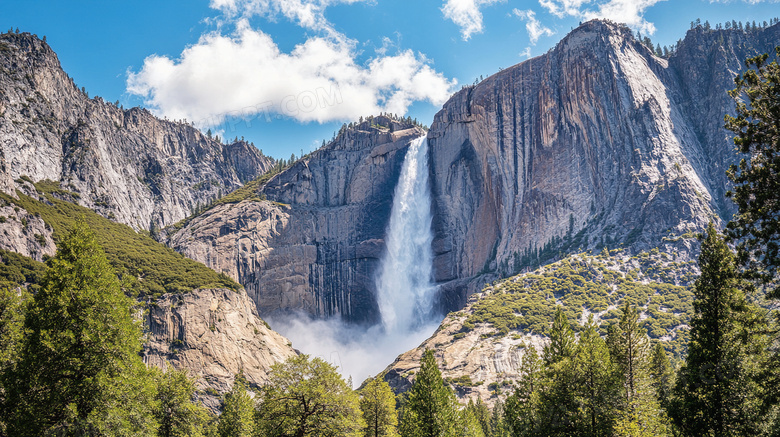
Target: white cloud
x=309 y=14
x=526 y=53
x=752 y=2
x=466 y=14
x=319 y=80
x=630 y=12
x=533 y=26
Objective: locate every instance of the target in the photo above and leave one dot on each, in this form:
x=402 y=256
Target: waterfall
x=404 y=287
x=403 y=282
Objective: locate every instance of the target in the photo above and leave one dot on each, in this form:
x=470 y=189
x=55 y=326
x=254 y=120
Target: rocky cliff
x=596 y=143
x=126 y=164
x=315 y=244
x=213 y=334
x=479 y=348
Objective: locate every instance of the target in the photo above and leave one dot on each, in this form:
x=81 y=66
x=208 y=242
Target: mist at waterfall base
x=404 y=290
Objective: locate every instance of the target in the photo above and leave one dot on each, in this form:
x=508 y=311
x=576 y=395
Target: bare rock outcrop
x=127 y=165
x=597 y=143
x=213 y=334
x=315 y=244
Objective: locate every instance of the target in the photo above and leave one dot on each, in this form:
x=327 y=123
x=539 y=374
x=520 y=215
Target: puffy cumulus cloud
x=306 y=13
x=319 y=80
x=630 y=12
x=466 y=14
x=533 y=25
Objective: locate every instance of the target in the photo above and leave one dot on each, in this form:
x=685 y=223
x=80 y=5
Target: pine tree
x=176 y=413
x=594 y=381
x=498 y=426
x=558 y=411
x=79 y=369
x=520 y=413
x=307 y=397
x=431 y=409
x=377 y=402
x=639 y=411
x=238 y=411
x=468 y=423
x=12 y=309
x=757 y=181
x=662 y=374
x=716 y=393
x=481 y=413
x=563 y=343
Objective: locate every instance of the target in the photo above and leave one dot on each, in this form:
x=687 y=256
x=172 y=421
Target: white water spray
x=404 y=289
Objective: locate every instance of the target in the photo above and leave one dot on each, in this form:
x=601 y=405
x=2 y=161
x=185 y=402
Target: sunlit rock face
x=314 y=245
x=596 y=143
x=127 y=165
x=213 y=334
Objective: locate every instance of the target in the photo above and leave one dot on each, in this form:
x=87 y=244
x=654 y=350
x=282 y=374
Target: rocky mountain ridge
x=127 y=165
x=314 y=244
x=596 y=143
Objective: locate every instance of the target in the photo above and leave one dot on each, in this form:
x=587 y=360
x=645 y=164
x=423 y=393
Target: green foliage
x=718 y=391
x=640 y=413
x=79 y=370
x=662 y=373
x=238 y=411
x=176 y=413
x=468 y=423
x=377 y=403
x=596 y=387
x=757 y=181
x=20 y=271
x=482 y=414
x=587 y=386
x=562 y=341
x=527 y=302
x=431 y=409
x=146 y=267
x=249 y=191
x=12 y=309
x=520 y=413
x=307 y=397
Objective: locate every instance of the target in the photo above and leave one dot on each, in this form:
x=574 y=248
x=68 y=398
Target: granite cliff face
x=596 y=143
x=125 y=164
x=213 y=334
x=315 y=244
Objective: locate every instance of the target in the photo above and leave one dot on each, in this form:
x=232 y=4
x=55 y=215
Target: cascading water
x=404 y=289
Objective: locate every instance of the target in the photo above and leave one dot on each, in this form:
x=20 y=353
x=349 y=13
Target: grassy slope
x=250 y=191
x=18 y=270
x=582 y=284
x=150 y=268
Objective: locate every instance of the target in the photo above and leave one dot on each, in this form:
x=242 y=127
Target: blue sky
x=286 y=74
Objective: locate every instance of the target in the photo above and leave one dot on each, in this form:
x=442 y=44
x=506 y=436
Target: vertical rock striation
x=213 y=334
x=315 y=245
x=125 y=164
x=596 y=143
